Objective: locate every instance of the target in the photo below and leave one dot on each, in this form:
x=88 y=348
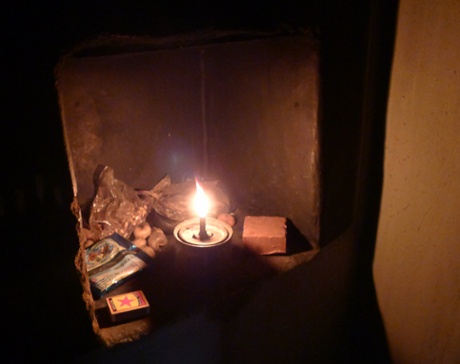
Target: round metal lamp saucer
x=188 y=232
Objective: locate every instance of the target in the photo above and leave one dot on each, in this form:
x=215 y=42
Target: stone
x=265 y=235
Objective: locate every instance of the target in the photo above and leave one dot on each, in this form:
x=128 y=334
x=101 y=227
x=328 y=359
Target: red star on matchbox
x=127 y=306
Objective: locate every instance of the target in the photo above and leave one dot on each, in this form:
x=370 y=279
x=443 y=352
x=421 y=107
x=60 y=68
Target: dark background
x=43 y=312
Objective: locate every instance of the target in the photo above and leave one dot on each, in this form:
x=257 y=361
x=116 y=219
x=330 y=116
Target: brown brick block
x=265 y=234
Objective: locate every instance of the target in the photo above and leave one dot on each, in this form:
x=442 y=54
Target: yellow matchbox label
x=127 y=302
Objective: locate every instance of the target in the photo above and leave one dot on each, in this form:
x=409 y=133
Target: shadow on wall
x=296 y=317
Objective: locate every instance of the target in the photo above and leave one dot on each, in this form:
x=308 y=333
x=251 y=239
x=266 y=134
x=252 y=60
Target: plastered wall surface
x=417 y=259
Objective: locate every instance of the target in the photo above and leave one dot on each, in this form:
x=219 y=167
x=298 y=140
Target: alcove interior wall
x=241 y=110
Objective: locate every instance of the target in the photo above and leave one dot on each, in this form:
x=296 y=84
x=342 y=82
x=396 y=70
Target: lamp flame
x=201 y=202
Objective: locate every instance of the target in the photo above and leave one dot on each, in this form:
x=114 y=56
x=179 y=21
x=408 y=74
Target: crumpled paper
x=119 y=208
x=176 y=200
x=172 y=203
x=116 y=208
